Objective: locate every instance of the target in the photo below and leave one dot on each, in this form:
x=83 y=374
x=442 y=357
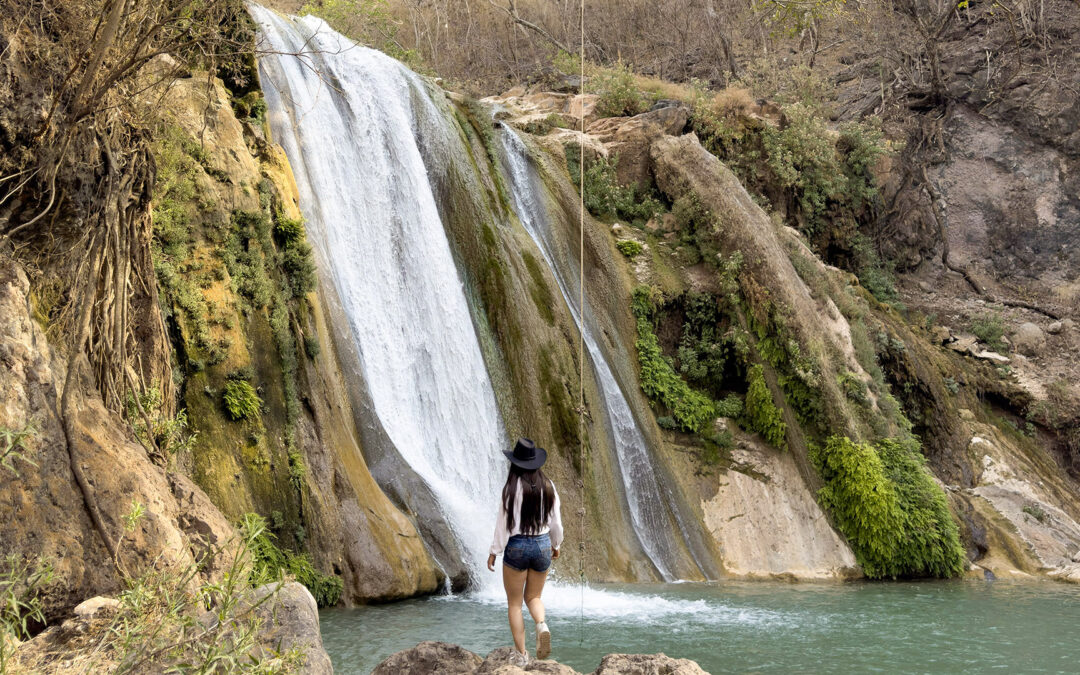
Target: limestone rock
x=1029 y=339
x=1055 y=328
x=430 y=658
x=290 y=620
x=963 y=344
x=629 y=138
x=647 y=664
x=966 y=415
x=993 y=357
x=941 y=334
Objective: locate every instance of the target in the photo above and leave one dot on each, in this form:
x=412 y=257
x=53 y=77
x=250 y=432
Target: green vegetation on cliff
x=270 y=563
x=762 y=415
x=894 y=515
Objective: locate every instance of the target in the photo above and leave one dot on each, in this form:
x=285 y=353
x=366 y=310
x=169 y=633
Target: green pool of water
x=923 y=627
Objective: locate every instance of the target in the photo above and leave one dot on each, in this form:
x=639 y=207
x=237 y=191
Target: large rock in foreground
x=443 y=658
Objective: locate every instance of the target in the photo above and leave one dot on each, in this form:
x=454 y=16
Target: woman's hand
x=554 y=554
x=491 y=562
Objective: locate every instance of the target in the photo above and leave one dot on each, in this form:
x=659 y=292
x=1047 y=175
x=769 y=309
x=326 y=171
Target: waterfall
x=646 y=498
x=350 y=120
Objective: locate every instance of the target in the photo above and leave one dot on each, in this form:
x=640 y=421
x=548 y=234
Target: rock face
x=768 y=524
x=44 y=513
x=348 y=524
x=441 y=658
x=629 y=139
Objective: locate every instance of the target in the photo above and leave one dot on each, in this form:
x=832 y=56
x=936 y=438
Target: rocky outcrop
x=628 y=139
x=44 y=513
x=441 y=658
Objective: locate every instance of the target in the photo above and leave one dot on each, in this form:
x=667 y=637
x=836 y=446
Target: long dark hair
x=537 y=498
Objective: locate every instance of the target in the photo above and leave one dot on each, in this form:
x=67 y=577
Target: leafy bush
x=691 y=409
x=762 y=415
x=629 y=248
x=730 y=407
x=299 y=266
x=241 y=400
x=990 y=328
x=875 y=275
x=169 y=435
x=289 y=230
x=311 y=346
x=619 y=95
x=270 y=563
x=21 y=585
x=892 y=512
x=606 y=198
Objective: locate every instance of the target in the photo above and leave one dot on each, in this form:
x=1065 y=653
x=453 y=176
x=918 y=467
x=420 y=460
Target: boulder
x=1029 y=339
x=963 y=344
x=941 y=334
x=1055 y=328
x=290 y=620
x=647 y=664
x=430 y=658
x=88 y=609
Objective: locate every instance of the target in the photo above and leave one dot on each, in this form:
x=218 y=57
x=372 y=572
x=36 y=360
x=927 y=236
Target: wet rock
x=430 y=658
x=1029 y=339
x=650 y=664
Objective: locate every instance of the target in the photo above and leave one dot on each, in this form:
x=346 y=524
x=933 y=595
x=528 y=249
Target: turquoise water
x=923 y=627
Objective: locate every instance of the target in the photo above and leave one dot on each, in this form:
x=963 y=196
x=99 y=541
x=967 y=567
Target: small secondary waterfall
x=644 y=494
x=350 y=120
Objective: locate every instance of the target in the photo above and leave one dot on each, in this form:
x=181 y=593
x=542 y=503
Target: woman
x=529 y=530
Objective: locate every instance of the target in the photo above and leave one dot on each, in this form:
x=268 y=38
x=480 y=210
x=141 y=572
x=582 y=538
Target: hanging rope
x=581 y=329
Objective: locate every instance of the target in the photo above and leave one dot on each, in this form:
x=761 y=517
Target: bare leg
x=534 y=586
x=514 y=583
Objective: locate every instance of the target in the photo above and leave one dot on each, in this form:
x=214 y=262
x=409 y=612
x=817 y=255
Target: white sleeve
x=498 y=543
x=556 y=521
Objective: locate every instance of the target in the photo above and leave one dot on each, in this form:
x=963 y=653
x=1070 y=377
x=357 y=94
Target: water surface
x=921 y=627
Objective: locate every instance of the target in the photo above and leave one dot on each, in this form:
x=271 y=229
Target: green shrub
x=605 y=198
x=13 y=446
x=875 y=275
x=629 y=248
x=762 y=415
x=270 y=563
x=691 y=409
x=311 y=346
x=21 y=586
x=241 y=400
x=170 y=435
x=892 y=512
x=667 y=422
x=618 y=93
x=289 y=230
x=730 y=407
x=299 y=266
x=990 y=328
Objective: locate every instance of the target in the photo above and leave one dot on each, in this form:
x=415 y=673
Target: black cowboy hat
x=526 y=454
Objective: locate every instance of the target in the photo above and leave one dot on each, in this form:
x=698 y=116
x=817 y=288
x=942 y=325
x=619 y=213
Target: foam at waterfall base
x=608 y=605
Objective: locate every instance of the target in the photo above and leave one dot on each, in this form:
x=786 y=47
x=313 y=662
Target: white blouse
x=553 y=524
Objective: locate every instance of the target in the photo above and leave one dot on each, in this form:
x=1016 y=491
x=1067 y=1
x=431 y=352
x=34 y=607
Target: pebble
x=1055 y=328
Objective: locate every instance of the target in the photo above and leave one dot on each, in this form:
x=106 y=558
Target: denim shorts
x=528 y=552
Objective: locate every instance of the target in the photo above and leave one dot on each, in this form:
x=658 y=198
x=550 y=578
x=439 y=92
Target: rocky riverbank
x=443 y=658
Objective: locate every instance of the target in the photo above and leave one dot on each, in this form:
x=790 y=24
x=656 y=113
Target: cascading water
x=349 y=118
x=644 y=495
